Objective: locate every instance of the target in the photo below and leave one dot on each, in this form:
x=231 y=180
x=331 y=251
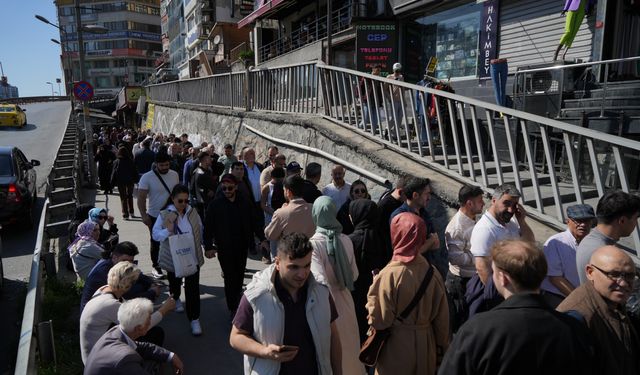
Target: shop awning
x=264 y=10
x=401 y=6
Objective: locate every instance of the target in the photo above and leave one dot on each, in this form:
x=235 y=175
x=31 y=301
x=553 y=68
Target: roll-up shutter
x=530 y=32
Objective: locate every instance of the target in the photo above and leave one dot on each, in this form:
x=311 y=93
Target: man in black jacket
x=310 y=191
x=522 y=335
x=228 y=229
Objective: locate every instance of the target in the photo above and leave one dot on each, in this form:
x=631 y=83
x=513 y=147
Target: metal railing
x=553 y=80
x=234 y=54
x=554 y=164
x=307 y=33
x=35 y=339
x=226 y=90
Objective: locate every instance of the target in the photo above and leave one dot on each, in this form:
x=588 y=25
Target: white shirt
x=488 y=231
x=160 y=233
x=253 y=174
x=339 y=195
x=458 y=239
x=157 y=195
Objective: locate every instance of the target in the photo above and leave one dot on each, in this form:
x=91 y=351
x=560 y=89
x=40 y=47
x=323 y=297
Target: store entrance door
x=623 y=30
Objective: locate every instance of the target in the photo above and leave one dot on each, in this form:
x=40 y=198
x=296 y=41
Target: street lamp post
x=49 y=83
x=85 y=110
x=69 y=80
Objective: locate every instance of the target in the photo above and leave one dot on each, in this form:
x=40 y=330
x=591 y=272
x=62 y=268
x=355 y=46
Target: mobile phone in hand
x=288 y=348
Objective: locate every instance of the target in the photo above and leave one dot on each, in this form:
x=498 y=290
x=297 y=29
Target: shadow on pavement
x=11 y=308
x=27 y=127
x=17 y=241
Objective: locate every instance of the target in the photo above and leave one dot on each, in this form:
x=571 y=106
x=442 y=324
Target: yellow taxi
x=12 y=115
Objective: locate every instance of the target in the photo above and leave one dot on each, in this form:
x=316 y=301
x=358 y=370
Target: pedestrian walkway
x=206 y=354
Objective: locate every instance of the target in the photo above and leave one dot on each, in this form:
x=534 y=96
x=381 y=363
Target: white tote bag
x=183 y=254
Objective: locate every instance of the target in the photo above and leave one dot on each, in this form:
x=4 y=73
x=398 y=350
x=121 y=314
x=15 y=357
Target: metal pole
x=88 y=129
x=329 y=30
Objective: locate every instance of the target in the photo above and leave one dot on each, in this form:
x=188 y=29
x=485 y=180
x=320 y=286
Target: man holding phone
x=285 y=323
x=505 y=219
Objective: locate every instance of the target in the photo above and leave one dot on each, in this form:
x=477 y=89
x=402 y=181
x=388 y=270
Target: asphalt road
x=39 y=140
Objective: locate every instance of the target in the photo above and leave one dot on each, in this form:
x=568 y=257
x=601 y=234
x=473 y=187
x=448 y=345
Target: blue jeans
x=374 y=117
x=499 y=73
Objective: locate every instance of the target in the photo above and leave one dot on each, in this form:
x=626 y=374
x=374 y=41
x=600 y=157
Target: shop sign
x=431 y=67
x=150 y=113
x=488 y=40
x=376 y=44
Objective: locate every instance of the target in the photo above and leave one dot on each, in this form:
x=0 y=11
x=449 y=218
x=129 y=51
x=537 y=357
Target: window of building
x=101 y=64
x=450 y=36
x=102 y=82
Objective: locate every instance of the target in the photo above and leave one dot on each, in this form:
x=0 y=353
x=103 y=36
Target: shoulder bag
x=372 y=346
x=162 y=181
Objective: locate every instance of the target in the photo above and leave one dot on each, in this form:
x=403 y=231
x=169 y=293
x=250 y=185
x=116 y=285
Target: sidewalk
x=209 y=353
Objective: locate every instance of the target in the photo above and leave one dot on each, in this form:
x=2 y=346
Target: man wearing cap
x=294 y=169
x=228 y=229
x=397 y=93
x=278 y=161
x=560 y=251
x=310 y=191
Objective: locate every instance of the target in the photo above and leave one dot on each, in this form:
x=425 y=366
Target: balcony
x=307 y=34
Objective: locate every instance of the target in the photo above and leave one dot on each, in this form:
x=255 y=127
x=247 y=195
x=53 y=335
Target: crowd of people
x=342 y=269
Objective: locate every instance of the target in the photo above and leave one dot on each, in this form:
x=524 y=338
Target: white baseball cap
x=397 y=66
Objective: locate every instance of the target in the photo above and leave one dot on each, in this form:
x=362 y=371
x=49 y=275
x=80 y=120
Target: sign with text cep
x=376 y=44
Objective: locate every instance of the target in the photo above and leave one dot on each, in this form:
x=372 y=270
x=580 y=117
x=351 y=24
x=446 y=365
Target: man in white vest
x=285 y=323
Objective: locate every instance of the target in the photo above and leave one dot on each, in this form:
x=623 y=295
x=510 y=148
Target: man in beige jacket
x=294 y=216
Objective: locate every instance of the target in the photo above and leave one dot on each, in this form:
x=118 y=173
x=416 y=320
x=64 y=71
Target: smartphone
x=288 y=348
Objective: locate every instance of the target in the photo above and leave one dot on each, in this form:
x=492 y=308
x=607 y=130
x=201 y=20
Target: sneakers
x=157 y=273
x=196 y=330
x=179 y=307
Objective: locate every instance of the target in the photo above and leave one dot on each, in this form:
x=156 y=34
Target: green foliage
x=246 y=55
x=61 y=304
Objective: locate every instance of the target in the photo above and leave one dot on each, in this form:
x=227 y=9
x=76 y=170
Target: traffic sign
x=83 y=91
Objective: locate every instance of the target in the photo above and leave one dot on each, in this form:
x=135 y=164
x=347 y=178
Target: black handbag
x=371 y=348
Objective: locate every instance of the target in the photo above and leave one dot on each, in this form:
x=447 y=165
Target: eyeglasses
x=181 y=201
x=228 y=188
x=359 y=191
x=582 y=221
x=617 y=276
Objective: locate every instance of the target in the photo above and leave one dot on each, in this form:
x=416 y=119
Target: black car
x=18 y=192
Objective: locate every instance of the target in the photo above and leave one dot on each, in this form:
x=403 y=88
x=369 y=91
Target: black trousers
x=126 y=198
x=155 y=335
x=191 y=292
x=154 y=245
x=233 y=262
x=458 y=310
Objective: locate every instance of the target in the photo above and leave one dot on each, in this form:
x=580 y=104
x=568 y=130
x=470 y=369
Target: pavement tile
x=206 y=354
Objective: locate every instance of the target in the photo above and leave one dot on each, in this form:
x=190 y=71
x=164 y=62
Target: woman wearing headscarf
x=358 y=190
x=333 y=264
x=417 y=344
x=108 y=237
x=368 y=249
x=85 y=251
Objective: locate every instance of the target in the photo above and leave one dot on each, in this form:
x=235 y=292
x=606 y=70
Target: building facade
x=125 y=55
x=6 y=90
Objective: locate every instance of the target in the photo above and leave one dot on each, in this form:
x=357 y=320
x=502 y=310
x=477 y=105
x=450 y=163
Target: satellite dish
x=217 y=39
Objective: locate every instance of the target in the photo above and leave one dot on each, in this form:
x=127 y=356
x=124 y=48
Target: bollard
x=49 y=260
x=46 y=344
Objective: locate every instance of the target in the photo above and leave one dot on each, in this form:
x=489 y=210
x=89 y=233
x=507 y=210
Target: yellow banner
x=150 y=111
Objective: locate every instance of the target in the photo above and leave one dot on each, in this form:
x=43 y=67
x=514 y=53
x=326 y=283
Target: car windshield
x=7 y=109
x=5 y=166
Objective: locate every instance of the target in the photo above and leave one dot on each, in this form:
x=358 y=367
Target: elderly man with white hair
x=101 y=312
x=119 y=352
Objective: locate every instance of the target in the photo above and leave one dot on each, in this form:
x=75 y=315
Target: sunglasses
x=181 y=201
x=360 y=191
x=228 y=188
x=102 y=217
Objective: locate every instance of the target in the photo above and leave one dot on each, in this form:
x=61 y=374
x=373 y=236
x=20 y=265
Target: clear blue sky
x=28 y=56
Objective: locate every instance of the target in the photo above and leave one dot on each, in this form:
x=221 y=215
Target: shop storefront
x=525 y=32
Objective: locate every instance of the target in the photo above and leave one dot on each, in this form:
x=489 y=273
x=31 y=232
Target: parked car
x=18 y=191
x=12 y=115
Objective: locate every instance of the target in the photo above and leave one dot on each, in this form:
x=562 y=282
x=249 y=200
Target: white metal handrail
x=552 y=163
